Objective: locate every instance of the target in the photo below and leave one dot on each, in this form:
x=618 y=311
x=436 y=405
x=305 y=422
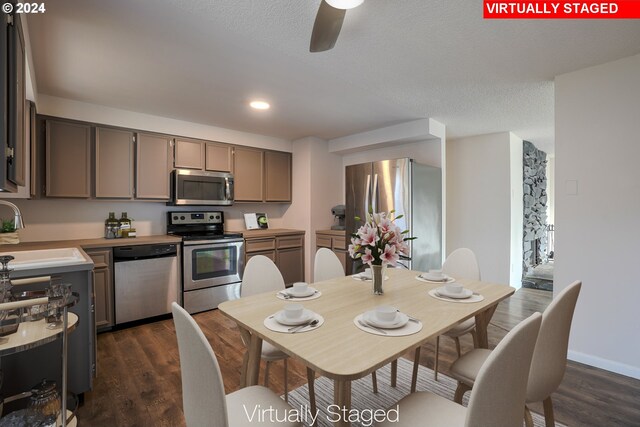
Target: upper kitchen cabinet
x=248 y=174
x=218 y=157
x=67 y=159
x=189 y=154
x=153 y=165
x=277 y=175
x=114 y=163
x=12 y=103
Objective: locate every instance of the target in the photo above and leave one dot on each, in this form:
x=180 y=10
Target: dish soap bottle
x=111 y=226
x=124 y=225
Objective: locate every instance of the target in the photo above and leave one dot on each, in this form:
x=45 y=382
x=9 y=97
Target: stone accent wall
x=535 y=206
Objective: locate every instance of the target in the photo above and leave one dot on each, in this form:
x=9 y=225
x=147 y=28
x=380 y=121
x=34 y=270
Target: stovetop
x=194 y=235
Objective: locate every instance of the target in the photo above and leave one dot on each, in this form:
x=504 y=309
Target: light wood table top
x=341 y=351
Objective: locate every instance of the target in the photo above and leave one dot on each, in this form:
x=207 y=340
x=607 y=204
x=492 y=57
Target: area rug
x=364 y=400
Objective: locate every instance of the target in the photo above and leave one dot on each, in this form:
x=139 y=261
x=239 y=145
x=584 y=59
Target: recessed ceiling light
x=344 y=4
x=260 y=105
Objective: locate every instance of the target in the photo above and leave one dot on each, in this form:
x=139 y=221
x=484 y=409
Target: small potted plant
x=8 y=233
x=379 y=242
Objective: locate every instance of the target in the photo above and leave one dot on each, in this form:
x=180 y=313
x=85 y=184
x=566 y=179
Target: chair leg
x=475 y=338
x=374 y=381
x=435 y=363
x=266 y=374
x=458 y=346
x=394 y=372
x=549 y=419
x=460 y=391
x=311 y=377
x=414 y=377
x=286 y=381
x=528 y=419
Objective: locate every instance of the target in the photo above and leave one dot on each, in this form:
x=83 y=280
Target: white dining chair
x=327 y=266
x=549 y=357
x=496 y=400
x=460 y=264
x=203 y=399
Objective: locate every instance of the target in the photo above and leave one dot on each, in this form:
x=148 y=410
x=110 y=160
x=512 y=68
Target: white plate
x=281 y=318
x=364 y=278
x=443 y=279
x=466 y=293
x=310 y=291
x=400 y=321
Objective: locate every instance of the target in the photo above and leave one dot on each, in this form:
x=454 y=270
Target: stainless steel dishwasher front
x=146 y=281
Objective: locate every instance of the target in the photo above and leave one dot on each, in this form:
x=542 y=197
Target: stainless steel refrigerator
x=409 y=188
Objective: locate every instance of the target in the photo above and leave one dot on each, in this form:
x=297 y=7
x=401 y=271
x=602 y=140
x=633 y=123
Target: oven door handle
x=216 y=243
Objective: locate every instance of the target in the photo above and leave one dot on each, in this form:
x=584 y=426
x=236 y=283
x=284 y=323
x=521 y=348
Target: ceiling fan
x=329 y=22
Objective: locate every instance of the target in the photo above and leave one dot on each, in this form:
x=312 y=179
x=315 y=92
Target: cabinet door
x=277 y=176
x=290 y=262
x=68 y=159
x=103 y=301
x=342 y=256
x=248 y=173
x=189 y=154
x=16 y=170
x=218 y=157
x=153 y=165
x=114 y=163
x=269 y=254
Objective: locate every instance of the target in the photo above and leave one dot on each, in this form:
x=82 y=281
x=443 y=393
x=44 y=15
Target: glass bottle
x=111 y=226
x=124 y=225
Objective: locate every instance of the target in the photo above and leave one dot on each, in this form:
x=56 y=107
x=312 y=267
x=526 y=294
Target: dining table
x=340 y=350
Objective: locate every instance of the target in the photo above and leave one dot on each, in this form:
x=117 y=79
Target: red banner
x=586 y=9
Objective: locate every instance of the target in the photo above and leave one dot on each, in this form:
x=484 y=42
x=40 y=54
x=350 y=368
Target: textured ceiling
x=395 y=61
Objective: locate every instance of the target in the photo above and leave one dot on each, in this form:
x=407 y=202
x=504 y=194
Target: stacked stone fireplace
x=535 y=206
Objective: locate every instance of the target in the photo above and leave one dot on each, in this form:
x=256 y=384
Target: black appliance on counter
x=212 y=260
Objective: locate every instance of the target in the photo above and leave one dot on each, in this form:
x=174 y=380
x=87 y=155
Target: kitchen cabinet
x=114 y=163
x=218 y=157
x=189 y=154
x=248 y=173
x=336 y=241
x=277 y=176
x=153 y=166
x=103 y=287
x=284 y=247
x=67 y=159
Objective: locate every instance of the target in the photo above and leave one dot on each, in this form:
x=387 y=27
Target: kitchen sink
x=26 y=260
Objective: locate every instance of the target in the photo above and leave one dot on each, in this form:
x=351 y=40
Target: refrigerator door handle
x=374 y=193
x=367 y=191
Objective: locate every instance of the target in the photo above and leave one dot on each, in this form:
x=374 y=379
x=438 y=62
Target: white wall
x=479 y=201
x=517 y=209
x=597 y=227
x=551 y=188
x=425 y=152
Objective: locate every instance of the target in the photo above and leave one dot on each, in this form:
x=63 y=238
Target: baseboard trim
x=608 y=365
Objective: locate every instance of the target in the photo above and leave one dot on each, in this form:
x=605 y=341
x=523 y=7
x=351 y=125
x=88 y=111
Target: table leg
x=253 y=362
x=342 y=398
x=246 y=339
x=482 y=322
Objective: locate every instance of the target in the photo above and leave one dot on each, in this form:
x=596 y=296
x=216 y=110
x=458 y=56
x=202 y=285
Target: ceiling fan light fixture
x=344 y=4
x=259 y=105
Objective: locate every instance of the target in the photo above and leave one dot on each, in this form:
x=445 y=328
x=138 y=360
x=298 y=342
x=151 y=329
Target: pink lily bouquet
x=379 y=241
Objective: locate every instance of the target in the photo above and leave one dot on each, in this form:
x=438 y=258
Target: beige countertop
x=90 y=243
x=269 y=232
x=339 y=233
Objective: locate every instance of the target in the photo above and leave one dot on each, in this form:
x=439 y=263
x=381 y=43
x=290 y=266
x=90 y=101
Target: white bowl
x=436 y=274
x=300 y=287
x=386 y=313
x=454 y=288
x=293 y=310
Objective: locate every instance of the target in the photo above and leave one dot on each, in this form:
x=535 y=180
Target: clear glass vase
x=377 y=273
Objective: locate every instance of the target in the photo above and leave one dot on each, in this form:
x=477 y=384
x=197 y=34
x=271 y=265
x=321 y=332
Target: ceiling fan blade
x=326 y=28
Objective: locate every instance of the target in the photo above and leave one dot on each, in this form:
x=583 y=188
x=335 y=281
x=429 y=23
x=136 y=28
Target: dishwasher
x=146 y=281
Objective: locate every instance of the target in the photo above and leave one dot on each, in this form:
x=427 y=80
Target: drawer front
x=256 y=245
x=269 y=254
x=100 y=257
x=340 y=243
x=285 y=242
x=323 y=241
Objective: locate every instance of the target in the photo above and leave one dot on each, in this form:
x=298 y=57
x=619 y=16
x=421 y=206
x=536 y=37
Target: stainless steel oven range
x=212 y=260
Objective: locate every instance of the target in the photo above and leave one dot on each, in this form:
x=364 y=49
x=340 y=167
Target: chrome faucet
x=17 y=220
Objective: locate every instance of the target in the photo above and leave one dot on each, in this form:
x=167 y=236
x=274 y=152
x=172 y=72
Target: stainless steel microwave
x=192 y=187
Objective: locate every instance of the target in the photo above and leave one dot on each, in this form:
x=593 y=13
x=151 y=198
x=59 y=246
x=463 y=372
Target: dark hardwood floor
x=138 y=381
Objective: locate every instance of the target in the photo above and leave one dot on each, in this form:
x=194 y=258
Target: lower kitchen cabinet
x=284 y=247
x=334 y=240
x=103 y=287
